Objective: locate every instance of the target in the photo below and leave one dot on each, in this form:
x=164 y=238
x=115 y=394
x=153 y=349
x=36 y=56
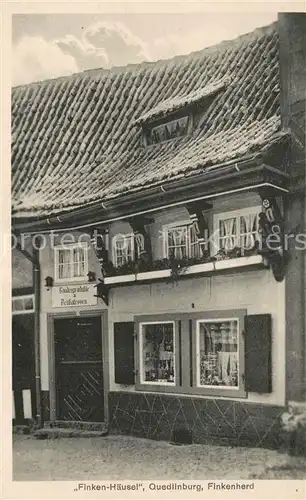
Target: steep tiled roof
x=74 y=139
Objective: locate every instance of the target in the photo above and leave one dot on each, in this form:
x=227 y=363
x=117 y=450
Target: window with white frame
x=181 y=241
x=126 y=248
x=23 y=304
x=71 y=262
x=217 y=353
x=157 y=353
x=238 y=228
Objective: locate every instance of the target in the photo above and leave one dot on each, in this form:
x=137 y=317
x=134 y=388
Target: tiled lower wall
x=210 y=420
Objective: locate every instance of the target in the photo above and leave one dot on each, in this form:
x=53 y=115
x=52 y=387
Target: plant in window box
x=160 y=264
x=177 y=267
x=234 y=253
x=108 y=269
x=143 y=263
x=128 y=267
x=220 y=255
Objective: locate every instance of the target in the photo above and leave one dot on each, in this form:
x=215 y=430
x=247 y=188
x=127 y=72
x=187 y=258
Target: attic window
x=167 y=131
x=182 y=103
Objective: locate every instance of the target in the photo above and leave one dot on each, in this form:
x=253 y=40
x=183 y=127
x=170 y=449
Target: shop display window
x=157 y=353
x=217 y=353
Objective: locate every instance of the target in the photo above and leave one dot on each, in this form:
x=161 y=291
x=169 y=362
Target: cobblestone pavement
x=122 y=457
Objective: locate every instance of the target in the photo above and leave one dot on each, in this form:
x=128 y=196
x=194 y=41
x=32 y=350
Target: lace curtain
x=170 y=130
x=239 y=231
x=78 y=262
x=177 y=243
x=228 y=233
x=64 y=263
x=123 y=249
x=248 y=230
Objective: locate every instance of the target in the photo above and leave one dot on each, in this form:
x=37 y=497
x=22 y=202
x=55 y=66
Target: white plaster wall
x=256 y=291
x=47 y=269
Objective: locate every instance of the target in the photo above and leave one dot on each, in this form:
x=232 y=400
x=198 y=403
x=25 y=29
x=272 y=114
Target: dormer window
x=175 y=117
x=167 y=131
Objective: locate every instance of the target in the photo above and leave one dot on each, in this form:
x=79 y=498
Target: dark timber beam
x=97 y=238
x=139 y=226
x=200 y=222
x=271 y=223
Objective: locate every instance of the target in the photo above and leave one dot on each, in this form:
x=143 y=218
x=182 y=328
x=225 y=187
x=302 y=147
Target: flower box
x=126 y=278
x=238 y=262
x=207 y=267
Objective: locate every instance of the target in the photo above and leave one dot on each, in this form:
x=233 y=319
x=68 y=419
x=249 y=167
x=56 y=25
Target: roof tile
x=74 y=139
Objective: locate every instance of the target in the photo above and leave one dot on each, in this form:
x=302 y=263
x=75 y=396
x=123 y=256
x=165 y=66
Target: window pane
x=218 y=353
x=170 y=130
x=178 y=243
x=78 y=262
x=22 y=304
x=123 y=249
x=248 y=230
x=157 y=343
x=194 y=246
x=139 y=243
x=17 y=305
x=64 y=263
x=28 y=304
x=228 y=233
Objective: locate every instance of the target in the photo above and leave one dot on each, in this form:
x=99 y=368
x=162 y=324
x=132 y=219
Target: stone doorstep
x=77 y=425
x=21 y=429
x=58 y=432
x=297 y=407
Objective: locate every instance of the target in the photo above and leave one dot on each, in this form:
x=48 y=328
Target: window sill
x=206 y=268
x=74 y=281
x=214 y=392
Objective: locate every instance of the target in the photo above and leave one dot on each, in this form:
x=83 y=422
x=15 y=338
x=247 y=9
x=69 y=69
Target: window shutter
x=124 y=353
x=258 y=337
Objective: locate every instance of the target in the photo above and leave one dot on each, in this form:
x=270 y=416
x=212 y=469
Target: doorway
x=79 y=369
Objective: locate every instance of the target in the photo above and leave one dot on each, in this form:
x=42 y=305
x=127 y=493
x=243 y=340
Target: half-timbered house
x=170 y=305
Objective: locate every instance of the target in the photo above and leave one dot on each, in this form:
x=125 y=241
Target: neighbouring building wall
x=22 y=271
x=23 y=360
x=292 y=33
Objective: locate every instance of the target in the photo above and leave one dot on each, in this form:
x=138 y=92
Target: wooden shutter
x=258 y=337
x=124 y=353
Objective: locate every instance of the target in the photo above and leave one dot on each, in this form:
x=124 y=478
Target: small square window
x=126 y=248
x=23 y=304
x=181 y=242
x=237 y=229
x=157 y=353
x=71 y=262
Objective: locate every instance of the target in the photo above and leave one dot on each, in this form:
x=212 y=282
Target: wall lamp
x=49 y=282
x=91 y=276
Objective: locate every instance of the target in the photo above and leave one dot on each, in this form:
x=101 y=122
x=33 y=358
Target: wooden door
x=79 y=369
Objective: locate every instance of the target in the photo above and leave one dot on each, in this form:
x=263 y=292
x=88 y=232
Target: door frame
x=102 y=313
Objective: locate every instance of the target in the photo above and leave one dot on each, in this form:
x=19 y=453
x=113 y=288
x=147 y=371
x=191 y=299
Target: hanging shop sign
x=271 y=225
x=74 y=296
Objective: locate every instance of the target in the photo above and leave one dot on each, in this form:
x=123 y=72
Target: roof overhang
x=211 y=184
